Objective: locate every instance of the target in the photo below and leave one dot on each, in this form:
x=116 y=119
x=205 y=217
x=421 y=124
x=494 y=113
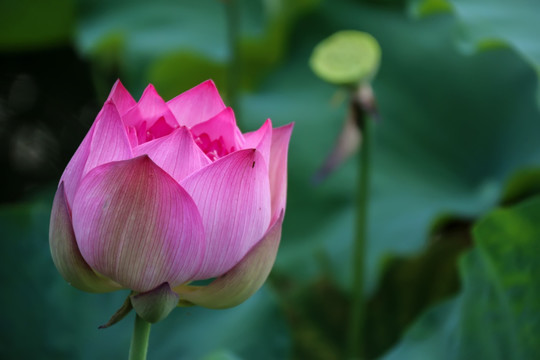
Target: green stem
x=233 y=74
x=139 y=341
x=357 y=318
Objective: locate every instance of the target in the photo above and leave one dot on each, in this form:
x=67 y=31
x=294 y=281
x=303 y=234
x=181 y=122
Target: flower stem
x=232 y=11
x=357 y=317
x=139 y=341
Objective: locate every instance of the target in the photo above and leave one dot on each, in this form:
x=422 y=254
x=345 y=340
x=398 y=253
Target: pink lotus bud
x=171 y=192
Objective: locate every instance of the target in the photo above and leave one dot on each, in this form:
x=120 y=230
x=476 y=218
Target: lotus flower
x=169 y=193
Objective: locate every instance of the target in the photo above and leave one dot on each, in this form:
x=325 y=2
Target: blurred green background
x=454 y=224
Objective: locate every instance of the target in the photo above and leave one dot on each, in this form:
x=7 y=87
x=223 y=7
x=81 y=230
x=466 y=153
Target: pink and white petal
x=71 y=177
x=243 y=280
x=233 y=197
x=120 y=97
x=197 y=105
x=175 y=153
x=222 y=125
x=150 y=109
x=109 y=141
x=261 y=140
x=65 y=253
x=278 y=168
x=136 y=225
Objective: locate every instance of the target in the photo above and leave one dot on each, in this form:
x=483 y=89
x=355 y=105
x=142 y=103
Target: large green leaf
x=143 y=40
x=45 y=318
x=486 y=24
x=497 y=314
x=410 y=284
x=453 y=128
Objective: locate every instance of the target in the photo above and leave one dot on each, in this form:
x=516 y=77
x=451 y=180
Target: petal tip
x=117 y=83
x=149 y=92
x=289 y=126
x=61 y=186
x=150 y=88
x=209 y=83
x=142 y=159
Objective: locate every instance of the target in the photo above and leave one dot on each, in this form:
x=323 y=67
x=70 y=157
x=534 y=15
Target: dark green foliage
x=495 y=316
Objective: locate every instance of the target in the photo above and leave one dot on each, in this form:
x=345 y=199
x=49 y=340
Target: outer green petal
x=65 y=252
x=155 y=305
x=242 y=281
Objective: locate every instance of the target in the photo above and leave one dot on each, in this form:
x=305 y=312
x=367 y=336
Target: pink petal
x=176 y=153
x=243 y=280
x=260 y=140
x=278 y=168
x=74 y=170
x=140 y=131
x=109 y=140
x=132 y=136
x=150 y=109
x=137 y=226
x=197 y=104
x=120 y=97
x=233 y=197
x=65 y=253
x=71 y=177
x=223 y=125
x=161 y=128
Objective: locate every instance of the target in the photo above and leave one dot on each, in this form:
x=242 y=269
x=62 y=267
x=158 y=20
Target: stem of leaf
x=139 y=341
x=357 y=317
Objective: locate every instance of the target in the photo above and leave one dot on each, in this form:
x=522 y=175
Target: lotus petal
x=233 y=197
x=261 y=140
x=243 y=280
x=74 y=170
x=176 y=153
x=197 y=104
x=223 y=126
x=65 y=253
x=120 y=97
x=109 y=140
x=149 y=109
x=278 y=168
x=136 y=225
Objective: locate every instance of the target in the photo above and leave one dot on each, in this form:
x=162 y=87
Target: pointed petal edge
x=197 y=104
x=119 y=314
x=278 y=168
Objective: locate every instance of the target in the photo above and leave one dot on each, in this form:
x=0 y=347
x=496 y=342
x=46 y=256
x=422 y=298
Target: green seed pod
x=347 y=57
